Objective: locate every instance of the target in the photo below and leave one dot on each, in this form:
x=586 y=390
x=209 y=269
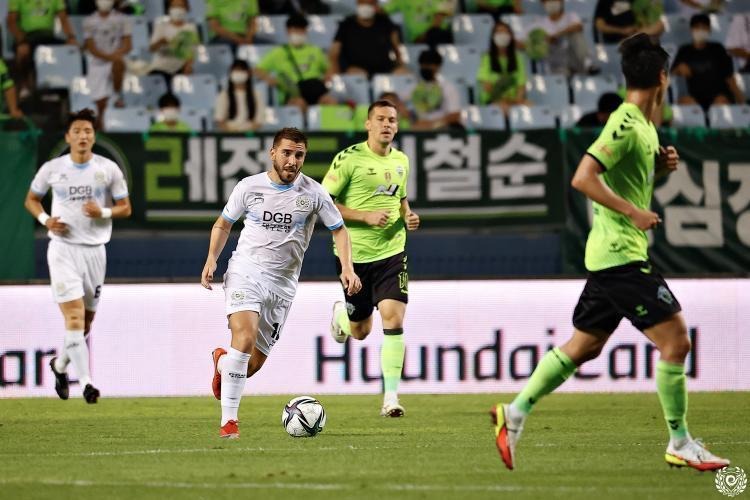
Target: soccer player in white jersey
x=280 y=207
x=88 y=191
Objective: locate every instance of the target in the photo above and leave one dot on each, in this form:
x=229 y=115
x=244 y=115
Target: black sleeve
x=341 y=30
x=603 y=9
x=680 y=57
x=724 y=62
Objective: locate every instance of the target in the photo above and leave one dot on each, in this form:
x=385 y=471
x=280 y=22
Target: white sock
x=515 y=414
x=62 y=360
x=233 y=376
x=78 y=353
x=390 y=397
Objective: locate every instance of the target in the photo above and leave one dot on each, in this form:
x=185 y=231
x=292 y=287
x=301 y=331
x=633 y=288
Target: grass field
x=574 y=446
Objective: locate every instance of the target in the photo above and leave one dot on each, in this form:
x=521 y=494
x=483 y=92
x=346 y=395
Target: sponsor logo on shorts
x=350 y=308
x=641 y=310
x=664 y=295
x=238 y=297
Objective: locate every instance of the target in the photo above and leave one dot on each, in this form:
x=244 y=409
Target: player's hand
x=57 y=226
x=377 y=218
x=668 y=159
x=412 y=221
x=207 y=275
x=92 y=209
x=351 y=282
x=644 y=219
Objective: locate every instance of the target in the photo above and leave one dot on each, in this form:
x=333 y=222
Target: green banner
x=704 y=205
x=18 y=167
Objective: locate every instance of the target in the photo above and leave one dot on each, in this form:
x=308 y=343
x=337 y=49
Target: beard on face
x=286 y=176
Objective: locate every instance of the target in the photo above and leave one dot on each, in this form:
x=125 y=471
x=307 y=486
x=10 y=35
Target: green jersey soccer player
x=617 y=174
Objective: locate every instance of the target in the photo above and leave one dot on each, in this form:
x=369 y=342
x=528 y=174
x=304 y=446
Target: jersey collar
x=282 y=187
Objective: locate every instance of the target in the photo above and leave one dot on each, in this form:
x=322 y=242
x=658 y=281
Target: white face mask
x=297 y=39
x=700 y=35
x=104 y=5
x=177 y=13
x=501 y=39
x=238 y=76
x=365 y=11
x=553 y=8
x=170 y=114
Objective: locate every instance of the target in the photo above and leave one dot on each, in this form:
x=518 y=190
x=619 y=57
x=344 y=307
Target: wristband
x=106 y=213
x=42 y=218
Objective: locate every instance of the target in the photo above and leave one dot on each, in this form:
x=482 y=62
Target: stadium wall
x=462 y=336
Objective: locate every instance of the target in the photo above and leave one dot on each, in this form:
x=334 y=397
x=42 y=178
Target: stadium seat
x=57 y=65
x=335 y=117
x=531 y=118
x=584 y=9
x=519 y=23
x=321 y=30
x=678 y=87
x=460 y=62
x=570 y=115
x=688 y=115
x=676 y=29
x=403 y=85
x=127 y=120
x=197 y=91
x=410 y=55
x=80 y=94
x=140 y=37
x=472 y=29
x=283 y=116
x=271 y=29
x=76 y=22
x=213 y=60
x=587 y=89
x=153 y=9
x=198 y=10
x=607 y=58
x=729 y=116
x=534 y=7
x=343 y=7
x=253 y=53
x=143 y=91
x=720 y=25
x=354 y=88
x=464 y=97
x=548 y=90
x=6 y=41
x=736 y=6
x=199 y=119
x=483 y=118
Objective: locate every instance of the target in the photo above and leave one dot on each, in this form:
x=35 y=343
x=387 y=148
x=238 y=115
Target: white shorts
x=76 y=271
x=99 y=80
x=244 y=294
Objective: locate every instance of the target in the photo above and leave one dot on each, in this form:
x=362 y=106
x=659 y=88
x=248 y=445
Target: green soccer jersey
x=5 y=84
x=504 y=84
x=363 y=180
x=36 y=14
x=311 y=61
x=233 y=15
x=418 y=15
x=627 y=149
x=180 y=127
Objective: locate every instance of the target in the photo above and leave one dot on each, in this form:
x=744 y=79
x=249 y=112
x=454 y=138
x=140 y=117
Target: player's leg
x=353 y=317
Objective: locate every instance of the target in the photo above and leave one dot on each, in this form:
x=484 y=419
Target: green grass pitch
x=574 y=446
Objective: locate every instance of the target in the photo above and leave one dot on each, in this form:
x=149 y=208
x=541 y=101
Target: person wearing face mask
x=502 y=71
x=738 y=41
x=380 y=54
x=568 y=51
x=169 y=119
x=616 y=20
x=297 y=69
x=173 y=43
x=239 y=107
x=426 y=21
x=434 y=99
x=706 y=67
x=232 y=22
x=107 y=40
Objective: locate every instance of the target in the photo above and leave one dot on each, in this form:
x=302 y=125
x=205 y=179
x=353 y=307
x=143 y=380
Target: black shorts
x=634 y=291
x=382 y=279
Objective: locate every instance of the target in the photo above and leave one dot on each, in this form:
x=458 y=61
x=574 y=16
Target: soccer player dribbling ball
x=617 y=174
x=88 y=191
x=280 y=207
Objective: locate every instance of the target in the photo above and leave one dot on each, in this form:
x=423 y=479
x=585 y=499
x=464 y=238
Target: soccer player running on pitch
x=84 y=186
x=368 y=183
x=280 y=208
x=617 y=174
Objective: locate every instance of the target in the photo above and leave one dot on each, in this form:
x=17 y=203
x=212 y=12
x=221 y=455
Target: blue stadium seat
x=127 y=120
x=720 y=25
x=548 y=90
x=676 y=29
x=729 y=116
x=483 y=118
x=140 y=37
x=80 y=94
x=283 y=116
x=584 y=9
x=463 y=90
x=6 y=40
x=197 y=91
x=271 y=29
x=587 y=89
x=354 y=88
x=736 y=6
x=472 y=29
x=321 y=30
x=519 y=23
x=570 y=115
x=76 y=22
x=460 y=62
x=57 y=65
x=688 y=115
x=607 y=58
x=403 y=85
x=531 y=118
x=198 y=10
x=143 y=91
x=213 y=60
x=678 y=87
x=533 y=7
x=253 y=53
x=153 y=9
x=343 y=7
x=410 y=55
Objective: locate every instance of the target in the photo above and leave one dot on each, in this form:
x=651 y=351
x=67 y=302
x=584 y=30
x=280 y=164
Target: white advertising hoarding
x=462 y=336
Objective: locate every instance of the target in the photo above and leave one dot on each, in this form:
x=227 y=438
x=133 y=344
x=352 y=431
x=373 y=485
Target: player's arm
x=411 y=219
x=219 y=236
x=587 y=181
x=33 y=203
x=344 y=250
x=371 y=218
x=120 y=210
x=666 y=162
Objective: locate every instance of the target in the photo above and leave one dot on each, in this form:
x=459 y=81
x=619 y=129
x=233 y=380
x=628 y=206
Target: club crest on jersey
x=303 y=203
x=100 y=177
x=388 y=177
x=400 y=170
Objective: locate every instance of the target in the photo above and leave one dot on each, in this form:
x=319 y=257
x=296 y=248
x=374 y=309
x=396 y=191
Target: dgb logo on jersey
x=79 y=190
x=277 y=217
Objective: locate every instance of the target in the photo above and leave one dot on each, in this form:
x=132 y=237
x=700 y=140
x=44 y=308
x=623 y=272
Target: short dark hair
x=85 y=114
x=642 y=62
x=291 y=133
x=169 y=100
x=430 y=56
x=380 y=103
x=296 y=21
x=608 y=102
x=701 y=19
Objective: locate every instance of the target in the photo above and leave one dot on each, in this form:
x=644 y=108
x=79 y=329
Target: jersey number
x=386 y=190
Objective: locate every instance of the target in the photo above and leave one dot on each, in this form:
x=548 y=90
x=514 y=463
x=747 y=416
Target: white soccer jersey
x=106 y=32
x=279 y=221
x=72 y=186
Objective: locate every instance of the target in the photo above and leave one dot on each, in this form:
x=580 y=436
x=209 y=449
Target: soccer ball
x=303 y=417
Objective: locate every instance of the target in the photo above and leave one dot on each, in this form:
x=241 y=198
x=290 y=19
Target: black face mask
x=428 y=74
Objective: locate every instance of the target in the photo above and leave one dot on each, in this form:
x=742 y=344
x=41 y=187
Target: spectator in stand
x=608 y=103
x=707 y=68
x=350 y=54
x=297 y=69
x=239 y=107
x=88 y=7
x=502 y=71
x=690 y=7
x=173 y=43
x=616 y=20
x=559 y=41
x=107 y=39
x=426 y=21
x=435 y=100
x=169 y=119
x=8 y=101
x=738 y=41
x=232 y=22
x=32 y=23
x=499 y=7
